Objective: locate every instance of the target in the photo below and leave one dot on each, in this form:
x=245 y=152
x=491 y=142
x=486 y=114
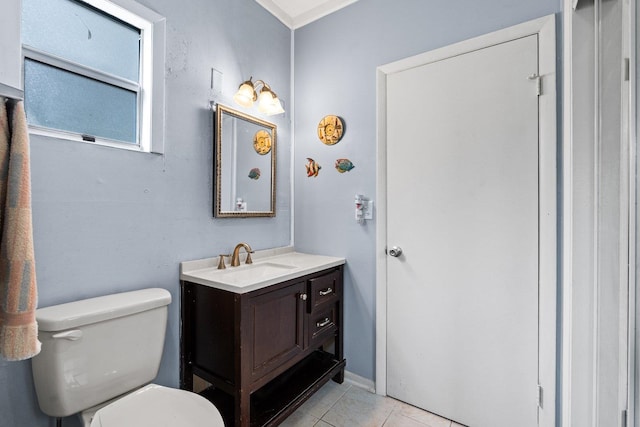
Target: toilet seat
x=158 y=406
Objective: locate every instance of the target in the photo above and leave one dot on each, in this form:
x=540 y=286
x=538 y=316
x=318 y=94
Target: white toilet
x=98 y=357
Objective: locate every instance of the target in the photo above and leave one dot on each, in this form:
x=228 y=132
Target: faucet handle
x=249 y=260
x=221 y=265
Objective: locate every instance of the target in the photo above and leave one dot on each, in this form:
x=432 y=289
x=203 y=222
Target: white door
x=462 y=204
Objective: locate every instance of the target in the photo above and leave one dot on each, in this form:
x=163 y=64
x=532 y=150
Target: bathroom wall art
x=330 y=129
x=313 y=168
x=262 y=142
x=254 y=173
x=344 y=165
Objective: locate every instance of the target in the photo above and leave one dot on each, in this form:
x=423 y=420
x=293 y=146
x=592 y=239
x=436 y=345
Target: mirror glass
x=245 y=165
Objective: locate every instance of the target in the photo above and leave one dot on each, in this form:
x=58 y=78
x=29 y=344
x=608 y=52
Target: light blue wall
x=335 y=63
x=109 y=220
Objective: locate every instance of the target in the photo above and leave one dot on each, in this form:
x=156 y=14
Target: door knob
x=395 y=251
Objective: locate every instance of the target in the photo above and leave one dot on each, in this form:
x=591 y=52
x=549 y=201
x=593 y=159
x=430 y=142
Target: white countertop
x=269 y=267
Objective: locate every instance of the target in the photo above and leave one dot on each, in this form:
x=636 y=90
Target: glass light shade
x=268 y=103
x=245 y=95
x=265 y=101
x=277 y=107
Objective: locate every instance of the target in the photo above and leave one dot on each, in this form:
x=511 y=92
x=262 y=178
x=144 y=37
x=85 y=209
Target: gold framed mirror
x=244 y=165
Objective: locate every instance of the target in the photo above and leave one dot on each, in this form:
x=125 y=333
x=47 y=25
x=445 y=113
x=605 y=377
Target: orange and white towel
x=18 y=290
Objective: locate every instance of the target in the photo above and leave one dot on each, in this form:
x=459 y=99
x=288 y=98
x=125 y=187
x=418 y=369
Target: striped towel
x=18 y=291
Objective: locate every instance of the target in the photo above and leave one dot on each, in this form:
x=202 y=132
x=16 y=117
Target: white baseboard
x=359 y=381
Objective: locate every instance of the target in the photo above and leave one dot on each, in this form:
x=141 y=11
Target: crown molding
x=306 y=17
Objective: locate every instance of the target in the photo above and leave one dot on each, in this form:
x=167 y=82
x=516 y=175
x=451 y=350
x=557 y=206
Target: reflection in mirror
x=244 y=165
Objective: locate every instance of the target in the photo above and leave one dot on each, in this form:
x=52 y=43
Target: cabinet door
x=276 y=328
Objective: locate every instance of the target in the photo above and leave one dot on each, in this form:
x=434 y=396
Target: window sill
x=69 y=136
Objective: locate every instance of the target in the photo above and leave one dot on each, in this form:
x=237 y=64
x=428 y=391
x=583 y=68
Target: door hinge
x=623 y=420
x=540 y=397
x=538 y=81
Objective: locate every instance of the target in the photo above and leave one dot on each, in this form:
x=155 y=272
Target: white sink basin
x=253 y=272
x=245 y=274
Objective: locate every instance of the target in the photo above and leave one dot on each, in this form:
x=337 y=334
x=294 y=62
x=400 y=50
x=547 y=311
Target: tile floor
x=345 y=405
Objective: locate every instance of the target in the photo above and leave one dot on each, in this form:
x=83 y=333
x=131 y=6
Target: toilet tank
x=96 y=349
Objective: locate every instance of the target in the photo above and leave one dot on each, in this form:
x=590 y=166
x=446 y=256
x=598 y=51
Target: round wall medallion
x=262 y=142
x=330 y=129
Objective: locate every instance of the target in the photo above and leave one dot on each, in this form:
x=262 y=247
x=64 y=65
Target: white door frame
x=544 y=28
x=634 y=320
x=630 y=51
x=582 y=72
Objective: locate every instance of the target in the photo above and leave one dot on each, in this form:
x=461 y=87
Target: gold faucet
x=235 y=258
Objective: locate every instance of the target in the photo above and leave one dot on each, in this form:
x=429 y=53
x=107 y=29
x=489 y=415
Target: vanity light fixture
x=268 y=102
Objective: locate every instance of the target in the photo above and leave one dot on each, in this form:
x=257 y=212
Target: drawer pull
x=323 y=323
x=325 y=292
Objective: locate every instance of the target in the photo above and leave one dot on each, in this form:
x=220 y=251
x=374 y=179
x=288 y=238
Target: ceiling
x=296 y=13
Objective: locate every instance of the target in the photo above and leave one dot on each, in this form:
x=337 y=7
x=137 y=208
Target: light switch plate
x=368 y=209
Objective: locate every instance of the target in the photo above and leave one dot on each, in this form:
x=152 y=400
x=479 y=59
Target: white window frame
x=150 y=88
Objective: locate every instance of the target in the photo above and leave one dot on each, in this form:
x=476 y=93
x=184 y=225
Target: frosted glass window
x=79 y=33
x=94 y=71
x=60 y=99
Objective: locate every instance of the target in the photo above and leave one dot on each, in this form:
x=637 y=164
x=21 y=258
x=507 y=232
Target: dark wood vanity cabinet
x=266 y=351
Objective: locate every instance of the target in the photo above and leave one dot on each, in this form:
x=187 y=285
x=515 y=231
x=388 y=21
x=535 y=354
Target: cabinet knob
x=303 y=297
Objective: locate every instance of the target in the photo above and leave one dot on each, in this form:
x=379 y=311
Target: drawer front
x=323 y=323
x=324 y=289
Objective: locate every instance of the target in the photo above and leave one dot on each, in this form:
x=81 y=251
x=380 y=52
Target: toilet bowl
x=156 y=406
x=99 y=357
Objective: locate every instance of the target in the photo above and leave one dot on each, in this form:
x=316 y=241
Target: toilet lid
x=158 y=406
